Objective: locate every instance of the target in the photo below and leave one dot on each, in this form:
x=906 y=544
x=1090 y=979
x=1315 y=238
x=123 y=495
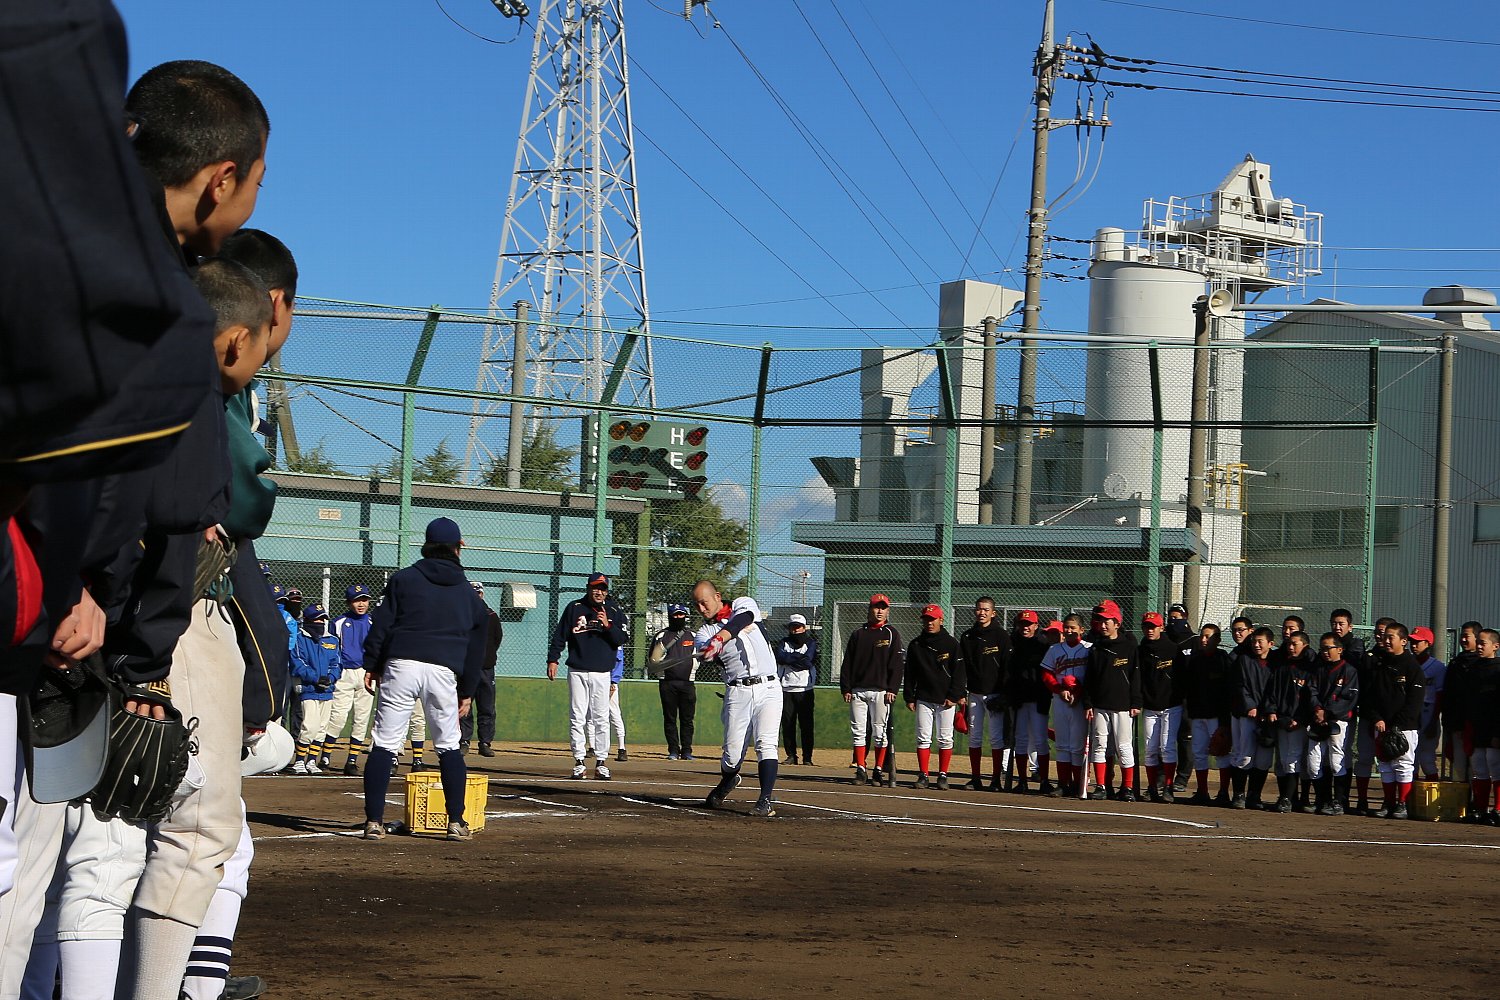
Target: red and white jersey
x=747 y=654
x=1062 y=660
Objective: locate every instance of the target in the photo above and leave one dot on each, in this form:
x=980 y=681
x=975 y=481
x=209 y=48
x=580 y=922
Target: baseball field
x=630 y=888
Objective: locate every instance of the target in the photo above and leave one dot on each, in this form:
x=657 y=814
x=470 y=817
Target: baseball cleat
x=579 y=769
x=373 y=830
x=1382 y=812
x=764 y=808
x=688 y=756
x=313 y=768
x=1168 y=795
x=243 y=988
x=459 y=830
x=922 y=781
x=1399 y=811
x=1201 y=799
x=622 y=756
x=721 y=791
x=463 y=747
x=1126 y=795
x=974 y=784
x=1098 y=794
x=1048 y=789
x=485 y=750
x=351 y=769
x=601 y=772
x=418 y=765
x=942 y=782
x=300 y=767
x=323 y=763
x=672 y=756
x=861 y=776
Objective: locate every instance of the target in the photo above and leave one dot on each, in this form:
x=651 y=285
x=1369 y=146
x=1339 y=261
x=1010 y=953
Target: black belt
x=748 y=681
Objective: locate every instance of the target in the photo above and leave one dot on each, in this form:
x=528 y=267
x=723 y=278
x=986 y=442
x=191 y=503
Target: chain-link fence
x=814 y=476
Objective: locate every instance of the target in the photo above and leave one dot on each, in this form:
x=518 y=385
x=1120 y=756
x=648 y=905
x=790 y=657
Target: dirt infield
x=630 y=889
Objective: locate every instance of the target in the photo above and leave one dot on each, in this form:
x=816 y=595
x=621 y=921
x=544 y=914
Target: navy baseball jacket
x=986 y=658
x=1113 y=680
x=1337 y=690
x=431 y=614
x=1207 y=679
x=1391 y=689
x=591 y=646
x=934 y=669
x=1252 y=676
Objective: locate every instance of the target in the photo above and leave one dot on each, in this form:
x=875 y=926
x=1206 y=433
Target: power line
x=1280 y=97
x=1306 y=27
x=1307 y=83
x=1290 y=76
x=483 y=38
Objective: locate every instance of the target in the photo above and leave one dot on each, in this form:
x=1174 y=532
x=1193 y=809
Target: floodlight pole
x=1192 y=570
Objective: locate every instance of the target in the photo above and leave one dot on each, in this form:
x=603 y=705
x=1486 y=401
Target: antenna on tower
x=570 y=245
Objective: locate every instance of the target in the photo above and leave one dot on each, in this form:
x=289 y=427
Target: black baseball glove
x=1319 y=730
x=147 y=760
x=1391 y=745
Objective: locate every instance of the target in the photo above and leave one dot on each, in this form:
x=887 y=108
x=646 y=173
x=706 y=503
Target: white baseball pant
x=1161 y=734
x=934 y=722
x=209 y=966
x=38 y=831
x=416 y=731
x=407 y=683
x=869 y=718
x=1203 y=732
x=1291 y=747
x=616 y=720
x=588 y=712
x=1403 y=768
x=1486 y=761
x=750 y=712
x=315 y=715
x=186 y=851
x=1247 y=751
x=1326 y=758
x=1112 y=727
x=980 y=717
x=10 y=789
x=351 y=698
x=1031 y=727
x=1068 y=731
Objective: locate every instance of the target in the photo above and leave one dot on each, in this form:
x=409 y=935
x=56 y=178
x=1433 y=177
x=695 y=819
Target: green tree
x=545 y=464
x=439 y=465
x=313 y=461
x=678 y=529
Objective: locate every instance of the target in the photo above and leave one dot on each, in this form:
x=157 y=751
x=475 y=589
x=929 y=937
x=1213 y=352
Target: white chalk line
x=783 y=791
x=663 y=805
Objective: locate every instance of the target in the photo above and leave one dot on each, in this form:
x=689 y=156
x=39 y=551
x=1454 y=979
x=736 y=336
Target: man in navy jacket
x=426 y=642
x=593 y=628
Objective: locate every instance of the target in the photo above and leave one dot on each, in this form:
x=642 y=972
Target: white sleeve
x=743 y=604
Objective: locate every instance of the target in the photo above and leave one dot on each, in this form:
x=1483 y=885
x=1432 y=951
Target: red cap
x=1069 y=681
x=1422 y=634
x=1054 y=626
x=1152 y=618
x=1028 y=616
x=879 y=599
x=1108 y=610
x=933 y=611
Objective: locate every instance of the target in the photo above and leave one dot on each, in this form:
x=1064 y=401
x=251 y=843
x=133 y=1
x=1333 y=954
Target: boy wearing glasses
x=1335 y=696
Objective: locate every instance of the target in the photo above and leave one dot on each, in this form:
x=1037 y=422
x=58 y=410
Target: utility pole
x=1051 y=60
x=987 y=429
x=1443 y=495
x=1047 y=59
x=1192 y=571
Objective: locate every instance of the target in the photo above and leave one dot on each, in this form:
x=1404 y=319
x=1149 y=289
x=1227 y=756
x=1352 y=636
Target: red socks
x=1403 y=790
x=1129 y=773
x=1101 y=774
x=1169 y=772
x=975 y=756
x=1151 y=772
x=1202 y=779
x=945 y=758
x=859 y=755
x=999 y=762
x=880 y=757
x=924 y=758
x=1044 y=767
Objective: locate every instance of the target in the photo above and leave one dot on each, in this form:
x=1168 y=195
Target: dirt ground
x=629 y=888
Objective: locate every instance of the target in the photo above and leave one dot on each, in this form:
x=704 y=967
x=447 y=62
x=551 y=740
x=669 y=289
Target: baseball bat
x=1086 y=766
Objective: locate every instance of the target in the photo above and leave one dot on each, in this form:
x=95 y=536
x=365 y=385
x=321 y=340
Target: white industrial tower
x=570 y=246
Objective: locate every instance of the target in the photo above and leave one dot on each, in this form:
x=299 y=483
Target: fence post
x=642 y=586
x=1153 y=537
x=409 y=427
x=602 y=543
x=950 y=478
x=1373 y=416
x=752 y=573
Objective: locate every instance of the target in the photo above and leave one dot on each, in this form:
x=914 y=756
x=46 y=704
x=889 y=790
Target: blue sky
x=394 y=131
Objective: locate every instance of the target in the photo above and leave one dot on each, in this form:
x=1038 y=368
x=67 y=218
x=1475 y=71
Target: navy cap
x=356 y=592
x=265 y=568
x=443 y=531
x=677 y=610
x=278 y=593
x=597 y=579
x=478 y=587
x=313 y=612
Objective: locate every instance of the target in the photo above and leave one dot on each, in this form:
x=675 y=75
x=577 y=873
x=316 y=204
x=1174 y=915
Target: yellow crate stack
x=427 y=810
x=1438 y=800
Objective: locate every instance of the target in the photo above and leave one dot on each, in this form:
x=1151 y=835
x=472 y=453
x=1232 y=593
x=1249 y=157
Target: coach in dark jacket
x=426 y=641
x=484 y=691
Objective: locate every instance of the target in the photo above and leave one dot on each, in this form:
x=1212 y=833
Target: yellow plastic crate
x=1438 y=800
x=427 y=810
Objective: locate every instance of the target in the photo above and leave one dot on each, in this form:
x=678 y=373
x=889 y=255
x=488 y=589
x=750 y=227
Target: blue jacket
x=352 y=631
x=591 y=647
x=315 y=665
x=618 y=674
x=431 y=614
x=291 y=629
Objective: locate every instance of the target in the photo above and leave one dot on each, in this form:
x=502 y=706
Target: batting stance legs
x=751 y=712
x=404 y=684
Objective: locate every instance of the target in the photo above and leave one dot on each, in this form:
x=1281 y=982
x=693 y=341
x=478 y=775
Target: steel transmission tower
x=571 y=244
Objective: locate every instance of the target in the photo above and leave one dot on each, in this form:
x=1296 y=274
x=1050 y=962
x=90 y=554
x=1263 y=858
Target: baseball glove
x=1220 y=743
x=147 y=761
x=211 y=573
x=1265 y=735
x=1391 y=745
x=1319 y=730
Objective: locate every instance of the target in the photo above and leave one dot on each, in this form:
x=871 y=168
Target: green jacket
x=251 y=498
